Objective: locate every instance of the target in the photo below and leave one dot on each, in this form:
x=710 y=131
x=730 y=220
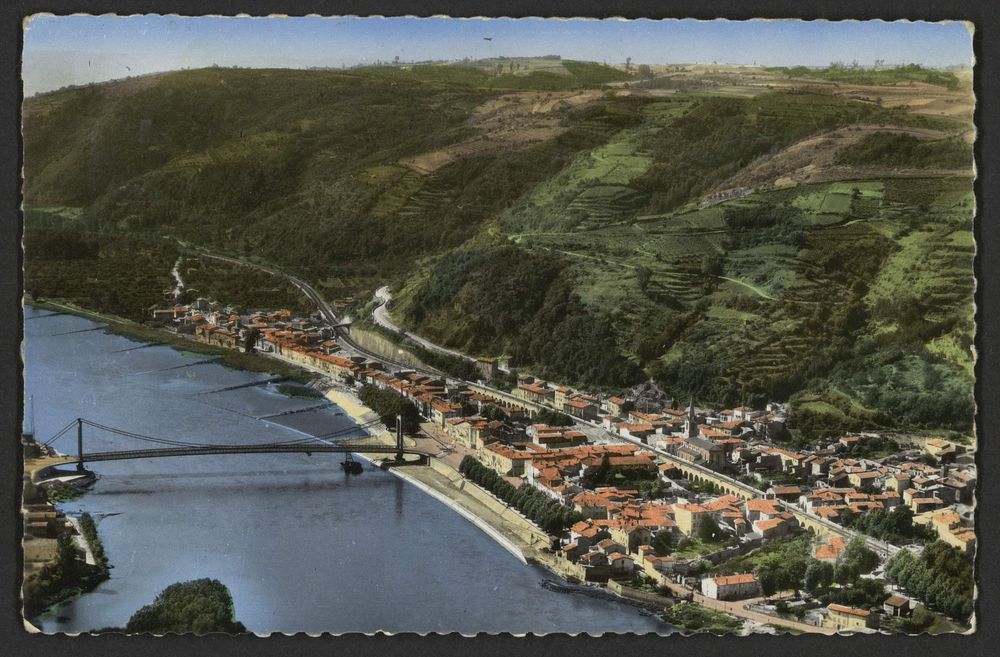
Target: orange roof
x=769 y=524
x=848 y=610
x=763 y=505
x=827 y=551
x=731 y=580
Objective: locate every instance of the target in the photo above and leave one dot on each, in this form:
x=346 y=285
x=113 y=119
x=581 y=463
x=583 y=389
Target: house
x=689 y=517
x=593 y=559
x=621 y=564
x=587 y=533
x=761 y=509
x=897 y=483
x=616 y=406
x=632 y=533
x=942 y=450
x=442 y=411
x=774 y=527
x=786 y=493
x=572 y=551
x=556 y=437
x=841 y=617
x=581 y=408
x=534 y=392
x=504 y=459
x=831 y=551
x=864 y=480
x=896 y=606
x=951 y=529
x=635 y=430
x=731 y=587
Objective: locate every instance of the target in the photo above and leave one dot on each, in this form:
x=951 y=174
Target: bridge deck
x=357 y=448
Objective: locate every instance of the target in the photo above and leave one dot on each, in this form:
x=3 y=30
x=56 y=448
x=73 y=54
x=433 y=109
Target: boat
x=351 y=466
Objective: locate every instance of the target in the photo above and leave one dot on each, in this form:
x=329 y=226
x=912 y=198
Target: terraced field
x=594 y=190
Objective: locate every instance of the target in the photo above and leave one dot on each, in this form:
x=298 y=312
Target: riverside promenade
x=441 y=480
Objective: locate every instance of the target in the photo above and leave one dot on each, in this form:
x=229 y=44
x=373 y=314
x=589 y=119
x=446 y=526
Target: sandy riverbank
x=442 y=481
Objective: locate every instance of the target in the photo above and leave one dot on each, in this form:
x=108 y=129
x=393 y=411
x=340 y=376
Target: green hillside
x=591 y=255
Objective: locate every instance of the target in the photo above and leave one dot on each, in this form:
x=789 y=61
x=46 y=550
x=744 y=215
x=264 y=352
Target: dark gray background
x=15 y=641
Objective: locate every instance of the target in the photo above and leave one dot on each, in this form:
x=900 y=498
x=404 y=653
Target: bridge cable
x=51 y=440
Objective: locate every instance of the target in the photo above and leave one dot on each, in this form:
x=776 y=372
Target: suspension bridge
x=344 y=441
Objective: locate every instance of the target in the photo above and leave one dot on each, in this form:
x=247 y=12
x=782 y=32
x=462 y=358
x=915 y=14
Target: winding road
x=381 y=317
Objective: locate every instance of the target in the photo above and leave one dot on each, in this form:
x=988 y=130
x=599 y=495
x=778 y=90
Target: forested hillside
x=542 y=210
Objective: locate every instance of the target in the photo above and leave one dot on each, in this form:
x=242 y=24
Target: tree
x=709 y=531
x=819 y=575
x=199 y=606
x=663 y=543
x=250 y=340
x=642 y=277
x=860 y=556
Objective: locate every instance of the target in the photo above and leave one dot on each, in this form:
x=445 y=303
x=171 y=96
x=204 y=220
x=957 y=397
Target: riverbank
x=227 y=357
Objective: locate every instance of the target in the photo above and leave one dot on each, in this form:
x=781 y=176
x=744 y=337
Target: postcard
x=363 y=324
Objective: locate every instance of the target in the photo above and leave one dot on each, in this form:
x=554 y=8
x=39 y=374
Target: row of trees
x=940 y=576
x=388 y=405
x=552 y=516
x=894 y=526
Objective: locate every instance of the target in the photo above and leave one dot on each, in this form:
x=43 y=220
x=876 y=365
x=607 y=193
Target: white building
x=731 y=587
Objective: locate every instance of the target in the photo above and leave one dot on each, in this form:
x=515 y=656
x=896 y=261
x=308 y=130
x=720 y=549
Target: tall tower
x=691 y=423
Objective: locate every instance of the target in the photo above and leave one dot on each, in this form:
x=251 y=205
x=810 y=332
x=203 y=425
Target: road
x=381 y=317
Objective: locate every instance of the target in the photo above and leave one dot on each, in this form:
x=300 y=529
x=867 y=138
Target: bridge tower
x=79 y=444
x=399 y=437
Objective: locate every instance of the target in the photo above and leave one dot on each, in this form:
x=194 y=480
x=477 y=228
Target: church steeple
x=691 y=424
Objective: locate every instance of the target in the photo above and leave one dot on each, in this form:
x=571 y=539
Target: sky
x=69 y=50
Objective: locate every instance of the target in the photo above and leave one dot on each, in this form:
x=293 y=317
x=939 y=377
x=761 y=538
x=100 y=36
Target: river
x=302 y=546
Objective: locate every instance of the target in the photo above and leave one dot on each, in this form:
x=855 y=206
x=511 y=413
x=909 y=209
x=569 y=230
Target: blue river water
x=302 y=546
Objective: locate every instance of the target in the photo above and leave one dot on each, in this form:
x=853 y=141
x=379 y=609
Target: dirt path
x=753 y=288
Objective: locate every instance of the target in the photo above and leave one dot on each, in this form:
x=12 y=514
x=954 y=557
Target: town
x=684 y=501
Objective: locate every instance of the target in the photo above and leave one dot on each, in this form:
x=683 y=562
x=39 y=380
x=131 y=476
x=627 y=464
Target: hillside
x=769 y=244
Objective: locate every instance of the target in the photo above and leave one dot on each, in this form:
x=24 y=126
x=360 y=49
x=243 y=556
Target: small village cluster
x=660 y=474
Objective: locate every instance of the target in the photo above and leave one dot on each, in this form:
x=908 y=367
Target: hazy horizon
x=62 y=51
